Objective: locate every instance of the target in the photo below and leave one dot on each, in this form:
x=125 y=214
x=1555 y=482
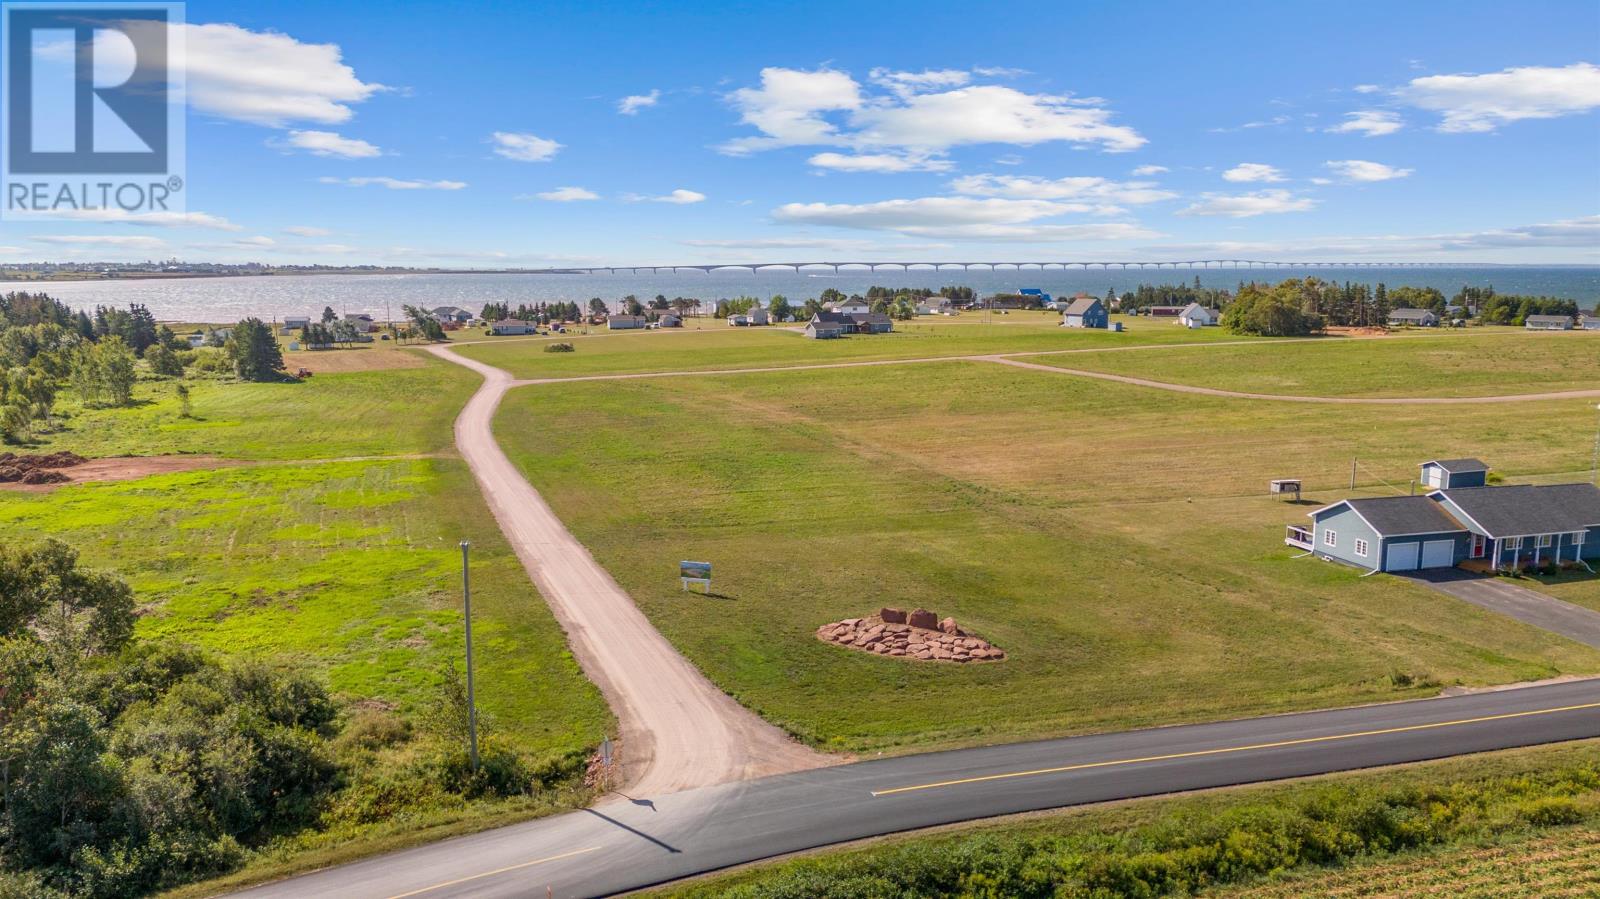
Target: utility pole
x=472 y=705
x=1352 y=474
x=1594 y=464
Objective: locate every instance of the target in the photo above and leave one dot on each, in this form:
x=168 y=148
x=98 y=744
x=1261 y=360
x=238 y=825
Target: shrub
x=560 y=348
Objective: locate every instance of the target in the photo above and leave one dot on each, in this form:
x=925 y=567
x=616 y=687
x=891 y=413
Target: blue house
x=1460 y=521
x=1036 y=293
x=1085 y=312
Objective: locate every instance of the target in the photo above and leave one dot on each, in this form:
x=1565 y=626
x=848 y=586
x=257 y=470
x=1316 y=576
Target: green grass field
x=336 y=549
x=694 y=350
x=1476 y=363
x=1118 y=543
x=1522 y=823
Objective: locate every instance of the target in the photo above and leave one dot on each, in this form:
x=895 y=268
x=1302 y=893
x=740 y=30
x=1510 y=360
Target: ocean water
x=275 y=296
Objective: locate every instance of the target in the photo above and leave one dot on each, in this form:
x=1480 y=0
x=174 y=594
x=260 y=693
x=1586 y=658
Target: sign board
x=605 y=752
x=695 y=573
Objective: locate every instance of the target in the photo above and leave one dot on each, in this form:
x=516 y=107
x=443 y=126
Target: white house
x=624 y=322
x=1590 y=321
x=849 y=307
x=739 y=321
x=1548 y=323
x=512 y=326
x=1195 y=315
x=758 y=316
x=295 y=322
x=452 y=314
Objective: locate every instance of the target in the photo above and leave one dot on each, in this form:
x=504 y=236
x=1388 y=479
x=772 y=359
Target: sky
x=526 y=135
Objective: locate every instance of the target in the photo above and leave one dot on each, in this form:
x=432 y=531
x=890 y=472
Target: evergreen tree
x=254 y=351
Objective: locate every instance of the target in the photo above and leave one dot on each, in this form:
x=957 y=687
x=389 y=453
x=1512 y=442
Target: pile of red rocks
x=918 y=634
x=41 y=469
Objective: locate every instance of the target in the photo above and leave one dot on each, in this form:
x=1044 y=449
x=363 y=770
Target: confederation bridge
x=993 y=266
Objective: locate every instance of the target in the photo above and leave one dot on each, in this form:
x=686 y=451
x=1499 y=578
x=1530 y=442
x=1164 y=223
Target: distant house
x=758 y=316
x=363 y=322
x=1195 y=315
x=452 y=314
x=739 y=321
x=512 y=326
x=1492 y=527
x=1421 y=318
x=820 y=328
x=1446 y=473
x=849 y=307
x=1042 y=298
x=666 y=318
x=296 y=322
x=1164 y=311
x=1548 y=323
x=873 y=323
x=1590 y=321
x=624 y=322
x=1085 y=312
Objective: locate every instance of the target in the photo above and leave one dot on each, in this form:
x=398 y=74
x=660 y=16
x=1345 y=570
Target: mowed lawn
x=338 y=555
x=1478 y=362
x=1118 y=544
x=606 y=352
x=328 y=416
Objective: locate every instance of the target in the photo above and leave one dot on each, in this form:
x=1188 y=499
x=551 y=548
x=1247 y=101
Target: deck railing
x=1298 y=535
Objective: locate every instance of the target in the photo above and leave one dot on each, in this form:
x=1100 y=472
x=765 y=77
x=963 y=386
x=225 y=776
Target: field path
x=679 y=731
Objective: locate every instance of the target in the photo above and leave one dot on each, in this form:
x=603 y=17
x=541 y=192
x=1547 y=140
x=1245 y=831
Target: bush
x=560 y=348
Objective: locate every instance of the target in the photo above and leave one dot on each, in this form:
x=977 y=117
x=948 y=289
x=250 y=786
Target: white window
x=1544 y=541
x=1512 y=542
x=1361 y=548
x=1330 y=537
x=1576 y=537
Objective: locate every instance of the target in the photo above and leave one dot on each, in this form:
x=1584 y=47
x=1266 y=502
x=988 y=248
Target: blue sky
x=502 y=134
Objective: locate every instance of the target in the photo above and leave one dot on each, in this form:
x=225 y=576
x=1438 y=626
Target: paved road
x=1516 y=601
x=627 y=844
x=678 y=730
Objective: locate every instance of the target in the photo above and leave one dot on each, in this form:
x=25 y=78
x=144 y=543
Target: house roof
x=828 y=320
x=1394 y=516
x=625 y=318
x=1547 y=319
x=1458 y=466
x=1404 y=312
x=1192 y=308
x=872 y=318
x=1524 y=509
x=1081 y=305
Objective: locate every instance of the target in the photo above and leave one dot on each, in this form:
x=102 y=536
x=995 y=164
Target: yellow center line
x=1203 y=752
x=451 y=883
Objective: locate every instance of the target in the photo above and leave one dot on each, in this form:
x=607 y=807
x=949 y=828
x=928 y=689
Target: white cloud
x=1581 y=233
x=1475 y=103
x=959 y=217
x=923 y=114
x=1267 y=123
x=567 y=195
x=523 y=147
x=260 y=240
x=1088 y=189
x=306 y=231
x=983 y=114
x=1145 y=170
x=268 y=78
x=631 y=105
x=396 y=183
x=120 y=241
x=879 y=162
x=1008 y=159
x=998 y=71
x=152 y=219
x=1321 y=180
x=327 y=143
x=1370 y=122
x=680 y=197
x=1367 y=89
x=787 y=108
x=906 y=83
x=1362 y=170
x=1252 y=171
x=1262 y=202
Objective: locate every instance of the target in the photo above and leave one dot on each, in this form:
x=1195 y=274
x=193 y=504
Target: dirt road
x=678 y=730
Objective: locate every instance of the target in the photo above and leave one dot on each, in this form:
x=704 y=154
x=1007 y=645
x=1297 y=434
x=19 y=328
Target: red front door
x=1480 y=546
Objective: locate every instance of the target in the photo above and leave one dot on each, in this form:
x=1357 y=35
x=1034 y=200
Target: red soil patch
x=38 y=474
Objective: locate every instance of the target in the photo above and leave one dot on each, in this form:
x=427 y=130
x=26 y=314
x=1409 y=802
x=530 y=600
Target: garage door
x=1402 y=557
x=1438 y=554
